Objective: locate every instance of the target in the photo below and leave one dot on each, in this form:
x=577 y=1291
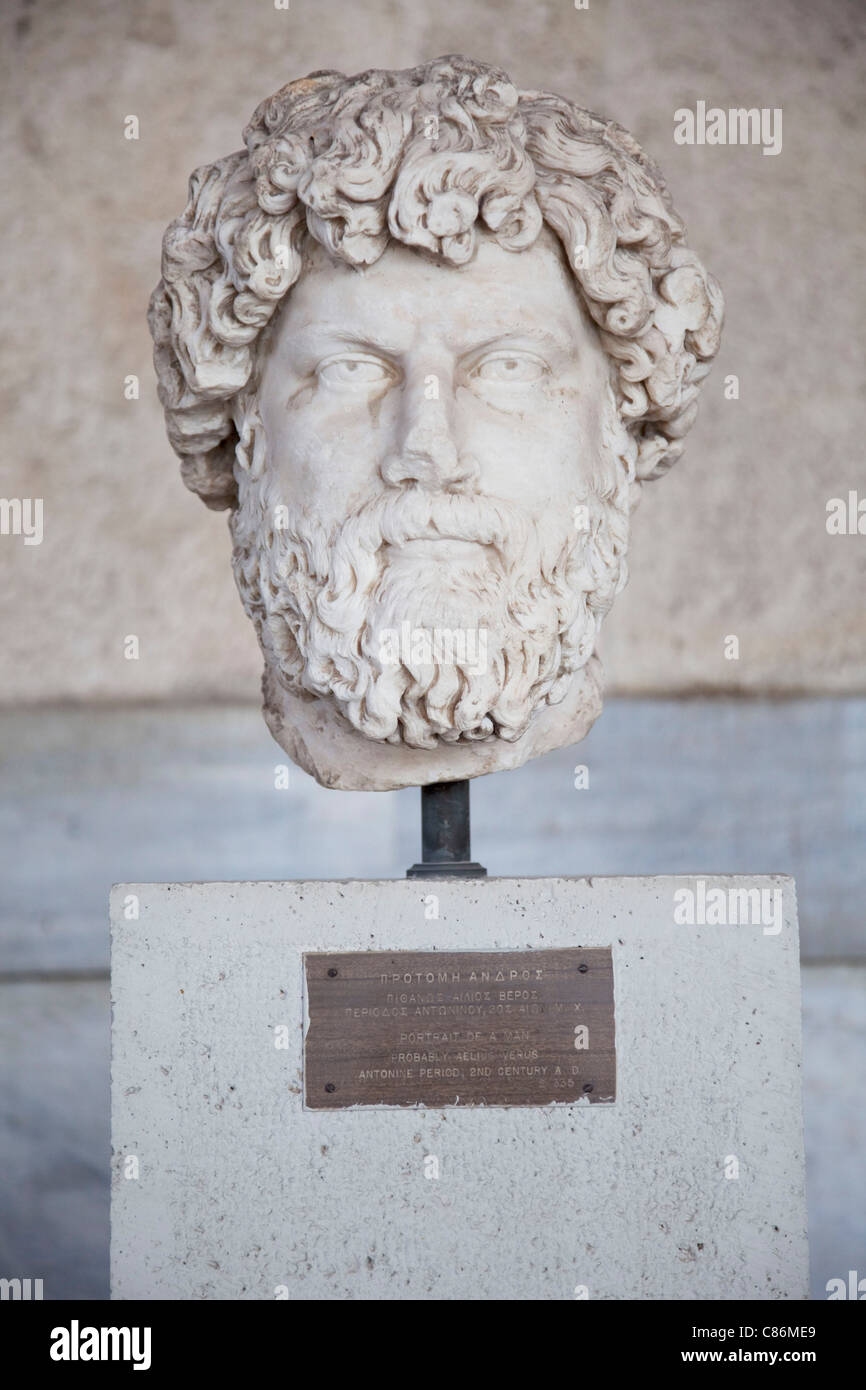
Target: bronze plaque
x=442 y=1028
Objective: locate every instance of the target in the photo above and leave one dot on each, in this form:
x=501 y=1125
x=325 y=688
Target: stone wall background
x=732 y=542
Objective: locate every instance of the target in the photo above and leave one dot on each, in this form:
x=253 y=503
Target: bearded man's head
x=426 y=336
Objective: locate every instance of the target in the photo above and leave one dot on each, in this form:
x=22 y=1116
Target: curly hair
x=420 y=156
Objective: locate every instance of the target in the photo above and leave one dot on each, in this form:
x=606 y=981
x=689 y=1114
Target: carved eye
x=353 y=373
x=510 y=368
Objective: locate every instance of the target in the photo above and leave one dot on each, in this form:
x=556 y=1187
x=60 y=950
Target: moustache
x=395 y=519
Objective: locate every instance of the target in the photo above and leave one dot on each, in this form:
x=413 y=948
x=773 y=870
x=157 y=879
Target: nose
x=426 y=449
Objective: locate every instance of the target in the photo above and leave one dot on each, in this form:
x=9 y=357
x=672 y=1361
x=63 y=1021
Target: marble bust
x=426 y=336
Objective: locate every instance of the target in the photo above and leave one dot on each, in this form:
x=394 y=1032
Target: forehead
x=407 y=293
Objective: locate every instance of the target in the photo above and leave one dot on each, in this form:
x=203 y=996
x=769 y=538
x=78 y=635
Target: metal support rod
x=445 y=837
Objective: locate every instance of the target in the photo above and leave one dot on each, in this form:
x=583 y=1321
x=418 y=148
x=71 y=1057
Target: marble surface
x=426 y=335
x=690 y=1184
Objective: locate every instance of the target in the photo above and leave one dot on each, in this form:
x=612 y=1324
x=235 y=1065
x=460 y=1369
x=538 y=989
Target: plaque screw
x=583 y=969
x=333 y=973
x=587 y=1086
x=330 y=1088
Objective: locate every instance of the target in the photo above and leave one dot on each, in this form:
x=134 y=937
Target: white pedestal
x=690 y=1185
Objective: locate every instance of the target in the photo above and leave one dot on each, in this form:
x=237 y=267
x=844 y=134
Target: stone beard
x=412 y=651
x=426 y=336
